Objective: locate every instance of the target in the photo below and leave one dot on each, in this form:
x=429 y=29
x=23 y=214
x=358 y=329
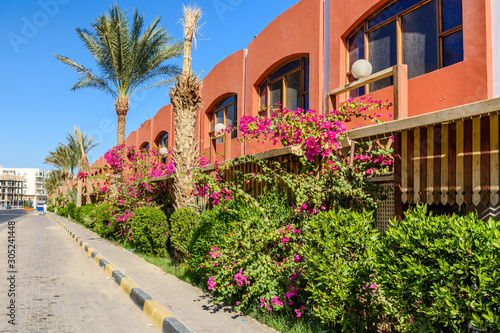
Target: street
x=10 y=215
x=48 y=284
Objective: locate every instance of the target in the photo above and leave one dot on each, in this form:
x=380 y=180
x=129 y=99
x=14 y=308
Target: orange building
x=450 y=49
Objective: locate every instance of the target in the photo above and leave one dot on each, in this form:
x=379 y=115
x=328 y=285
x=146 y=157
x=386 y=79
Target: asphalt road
x=7 y=215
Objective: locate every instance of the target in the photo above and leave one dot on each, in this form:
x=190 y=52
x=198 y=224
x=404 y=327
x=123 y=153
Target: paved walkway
x=58 y=288
x=188 y=304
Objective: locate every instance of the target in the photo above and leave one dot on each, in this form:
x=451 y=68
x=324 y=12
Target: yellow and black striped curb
x=156 y=312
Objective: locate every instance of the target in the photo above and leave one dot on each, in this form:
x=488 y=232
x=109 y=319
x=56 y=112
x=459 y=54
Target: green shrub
x=182 y=223
x=149 y=230
x=51 y=209
x=87 y=215
x=213 y=226
x=71 y=210
x=339 y=270
x=440 y=273
x=247 y=254
x=63 y=212
x=105 y=224
x=76 y=214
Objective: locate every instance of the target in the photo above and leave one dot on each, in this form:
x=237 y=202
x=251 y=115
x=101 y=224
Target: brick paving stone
x=189 y=304
x=59 y=288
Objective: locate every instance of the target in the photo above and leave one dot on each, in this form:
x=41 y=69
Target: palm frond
x=87 y=79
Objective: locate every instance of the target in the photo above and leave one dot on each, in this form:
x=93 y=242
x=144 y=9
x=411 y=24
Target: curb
x=156 y=312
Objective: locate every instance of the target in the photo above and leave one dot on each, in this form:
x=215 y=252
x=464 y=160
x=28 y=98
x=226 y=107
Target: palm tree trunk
x=186 y=66
x=65 y=182
x=79 y=187
x=84 y=165
x=186 y=101
x=71 y=176
x=121 y=107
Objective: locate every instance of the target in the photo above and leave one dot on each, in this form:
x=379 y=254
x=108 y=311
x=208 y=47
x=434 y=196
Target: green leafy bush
x=440 y=273
x=213 y=226
x=148 y=231
x=63 y=212
x=71 y=210
x=339 y=270
x=87 y=215
x=51 y=209
x=105 y=223
x=247 y=254
x=76 y=214
x=182 y=223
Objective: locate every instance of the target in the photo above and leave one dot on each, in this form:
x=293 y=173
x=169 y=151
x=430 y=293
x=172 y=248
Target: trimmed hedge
x=182 y=223
x=339 y=270
x=149 y=230
x=441 y=273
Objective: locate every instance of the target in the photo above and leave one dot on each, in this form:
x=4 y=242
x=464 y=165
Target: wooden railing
x=400 y=102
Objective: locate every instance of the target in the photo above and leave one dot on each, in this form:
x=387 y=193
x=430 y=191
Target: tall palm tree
x=52 y=183
x=186 y=101
x=128 y=60
x=81 y=144
x=61 y=158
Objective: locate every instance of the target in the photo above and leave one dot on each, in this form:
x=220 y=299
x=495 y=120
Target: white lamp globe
x=361 y=68
x=219 y=129
x=163 y=151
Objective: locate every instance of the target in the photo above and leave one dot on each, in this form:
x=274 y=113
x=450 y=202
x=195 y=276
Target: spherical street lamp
x=361 y=68
x=163 y=151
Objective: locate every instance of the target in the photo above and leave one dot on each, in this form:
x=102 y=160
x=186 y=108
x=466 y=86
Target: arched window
x=162 y=140
x=224 y=112
x=145 y=146
x=287 y=85
x=424 y=34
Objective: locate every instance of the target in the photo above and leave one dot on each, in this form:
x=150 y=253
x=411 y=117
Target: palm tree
x=186 y=101
x=52 y=183
x=128 y=59
x=81 y=144
x=61 y=158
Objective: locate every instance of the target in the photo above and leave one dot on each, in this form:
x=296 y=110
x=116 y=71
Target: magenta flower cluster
x=240 y=278
x=114 y=158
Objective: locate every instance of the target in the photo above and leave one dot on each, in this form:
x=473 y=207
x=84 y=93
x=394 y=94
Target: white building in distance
x=33 y=189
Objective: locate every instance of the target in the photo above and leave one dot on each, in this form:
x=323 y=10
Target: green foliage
x=149 y=230
x=63 y=212
x=52 y=208
x=71 y=209
x=72 y=196
x=213 y=226
x=182 y=223
x=87 y=215
x=105 y=223
x=247 y=253
x=440 y=273
x=76 y=214
x=142 y=55
x=339 y=270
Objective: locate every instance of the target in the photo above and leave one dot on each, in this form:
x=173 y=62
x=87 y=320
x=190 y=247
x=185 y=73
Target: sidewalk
x=188 y=304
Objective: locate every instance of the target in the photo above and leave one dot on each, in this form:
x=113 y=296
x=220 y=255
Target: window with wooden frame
x=224 y=112
x=162 y=140
x=424 y=34
x=288 y=85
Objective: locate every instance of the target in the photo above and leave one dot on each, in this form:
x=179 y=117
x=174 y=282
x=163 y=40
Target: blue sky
x=37 y=107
